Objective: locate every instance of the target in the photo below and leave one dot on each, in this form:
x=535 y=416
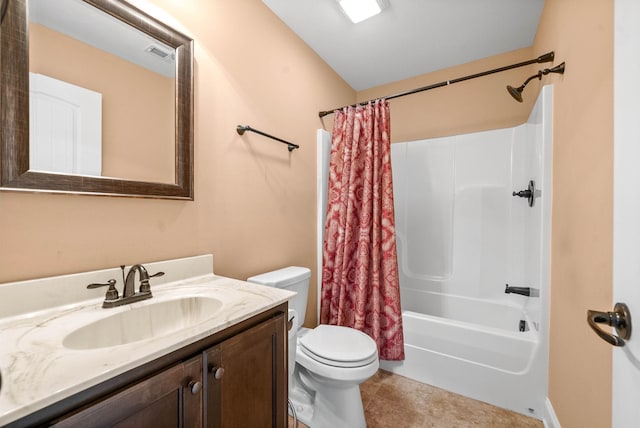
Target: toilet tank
x=293 y=278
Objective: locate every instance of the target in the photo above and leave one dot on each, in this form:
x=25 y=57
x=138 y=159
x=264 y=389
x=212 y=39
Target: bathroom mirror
x=95 y=97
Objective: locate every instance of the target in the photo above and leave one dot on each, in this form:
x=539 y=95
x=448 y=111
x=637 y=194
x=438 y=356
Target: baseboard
x=550 y=419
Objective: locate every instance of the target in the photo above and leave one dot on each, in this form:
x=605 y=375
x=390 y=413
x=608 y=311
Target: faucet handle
x=144 y=284
x=156 y=274
x=112 y=292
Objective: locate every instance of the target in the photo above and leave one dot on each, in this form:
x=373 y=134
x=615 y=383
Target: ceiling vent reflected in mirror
x=161 y=54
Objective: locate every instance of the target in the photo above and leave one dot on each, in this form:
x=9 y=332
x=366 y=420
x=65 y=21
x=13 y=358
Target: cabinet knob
x=195 y=387
x=217 y=372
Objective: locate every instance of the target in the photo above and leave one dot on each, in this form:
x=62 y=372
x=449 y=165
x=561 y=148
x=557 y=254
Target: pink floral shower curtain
x=360 y=286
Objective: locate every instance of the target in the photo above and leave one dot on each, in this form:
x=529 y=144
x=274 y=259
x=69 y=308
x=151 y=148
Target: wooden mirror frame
x=14 y=111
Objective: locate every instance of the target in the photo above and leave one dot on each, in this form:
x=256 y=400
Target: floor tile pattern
x=393 y=401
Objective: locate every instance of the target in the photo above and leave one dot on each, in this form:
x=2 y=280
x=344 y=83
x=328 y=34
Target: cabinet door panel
x=252 y=391
x=165 y=413
x=164 y=400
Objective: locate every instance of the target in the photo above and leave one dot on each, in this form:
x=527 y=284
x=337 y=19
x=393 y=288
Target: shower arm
x=535 y=76
x=557 y=69
x=516 y=93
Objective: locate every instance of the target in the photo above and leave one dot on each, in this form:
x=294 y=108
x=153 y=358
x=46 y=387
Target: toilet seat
x=339 y=346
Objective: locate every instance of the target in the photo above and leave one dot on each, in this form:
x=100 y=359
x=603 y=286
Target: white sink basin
x=141 y=322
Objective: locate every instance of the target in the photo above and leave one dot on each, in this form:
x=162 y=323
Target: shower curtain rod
x=548 y=57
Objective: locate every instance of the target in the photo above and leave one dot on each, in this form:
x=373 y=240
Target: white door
x=65 y=127
x=626 y=228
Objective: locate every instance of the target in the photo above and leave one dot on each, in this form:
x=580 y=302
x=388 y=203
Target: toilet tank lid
x=282 y=277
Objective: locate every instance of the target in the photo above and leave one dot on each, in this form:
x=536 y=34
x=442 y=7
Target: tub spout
x=523 y=291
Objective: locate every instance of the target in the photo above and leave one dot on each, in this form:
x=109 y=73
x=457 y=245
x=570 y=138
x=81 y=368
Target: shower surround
x=462 y=236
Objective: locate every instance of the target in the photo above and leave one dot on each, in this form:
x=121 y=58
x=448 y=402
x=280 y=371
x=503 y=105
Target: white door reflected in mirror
x=74 y=42
x=65 y=127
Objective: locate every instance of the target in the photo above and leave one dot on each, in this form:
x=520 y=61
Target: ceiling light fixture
x=359 y=10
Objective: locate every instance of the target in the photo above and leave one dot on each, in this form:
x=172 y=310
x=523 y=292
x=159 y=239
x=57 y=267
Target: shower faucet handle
x=522 y=193
x=529 y=193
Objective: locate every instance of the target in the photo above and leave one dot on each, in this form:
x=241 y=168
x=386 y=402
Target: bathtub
x=472 y=347
x=461 y=236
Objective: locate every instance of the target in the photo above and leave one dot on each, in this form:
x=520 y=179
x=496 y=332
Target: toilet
x=327 y=364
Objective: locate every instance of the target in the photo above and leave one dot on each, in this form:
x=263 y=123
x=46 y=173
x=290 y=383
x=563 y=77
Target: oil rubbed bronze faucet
x=523 y=291
x=129 y=283
x=129 y=295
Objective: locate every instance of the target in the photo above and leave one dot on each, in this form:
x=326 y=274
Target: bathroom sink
x=142 y=322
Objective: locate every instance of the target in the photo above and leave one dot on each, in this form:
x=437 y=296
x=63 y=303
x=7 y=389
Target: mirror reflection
x=102 y=95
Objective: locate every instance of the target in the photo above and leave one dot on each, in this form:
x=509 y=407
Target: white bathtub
x=472 y=347
x=461 y=236
x=502 y=315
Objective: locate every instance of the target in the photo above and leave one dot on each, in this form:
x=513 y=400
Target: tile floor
x=393 y=401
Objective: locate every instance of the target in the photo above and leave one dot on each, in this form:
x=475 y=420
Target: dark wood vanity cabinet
x=235 y=378
x=172 y=398
x=245 y=380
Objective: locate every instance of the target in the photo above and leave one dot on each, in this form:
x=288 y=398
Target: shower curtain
x=360 y=287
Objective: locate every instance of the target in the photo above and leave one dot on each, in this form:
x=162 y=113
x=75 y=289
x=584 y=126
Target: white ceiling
x=411 y=37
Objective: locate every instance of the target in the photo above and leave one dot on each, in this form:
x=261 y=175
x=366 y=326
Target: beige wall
x=469 y=106
x=255 y=202
x=138 y=129
x=580 y=33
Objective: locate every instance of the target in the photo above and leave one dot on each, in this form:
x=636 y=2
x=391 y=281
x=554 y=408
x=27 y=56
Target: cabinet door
x=172 y=398
x=246 y=379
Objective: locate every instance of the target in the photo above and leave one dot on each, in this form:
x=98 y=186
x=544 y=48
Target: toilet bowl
x=330 y=361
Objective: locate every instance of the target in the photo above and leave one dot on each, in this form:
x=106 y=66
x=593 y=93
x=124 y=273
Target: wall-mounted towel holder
x=241 y=129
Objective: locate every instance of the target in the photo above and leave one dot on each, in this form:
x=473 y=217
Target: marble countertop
x=37 y=370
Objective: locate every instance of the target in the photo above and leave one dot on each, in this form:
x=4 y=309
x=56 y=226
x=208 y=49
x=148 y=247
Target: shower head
x=516 y=93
